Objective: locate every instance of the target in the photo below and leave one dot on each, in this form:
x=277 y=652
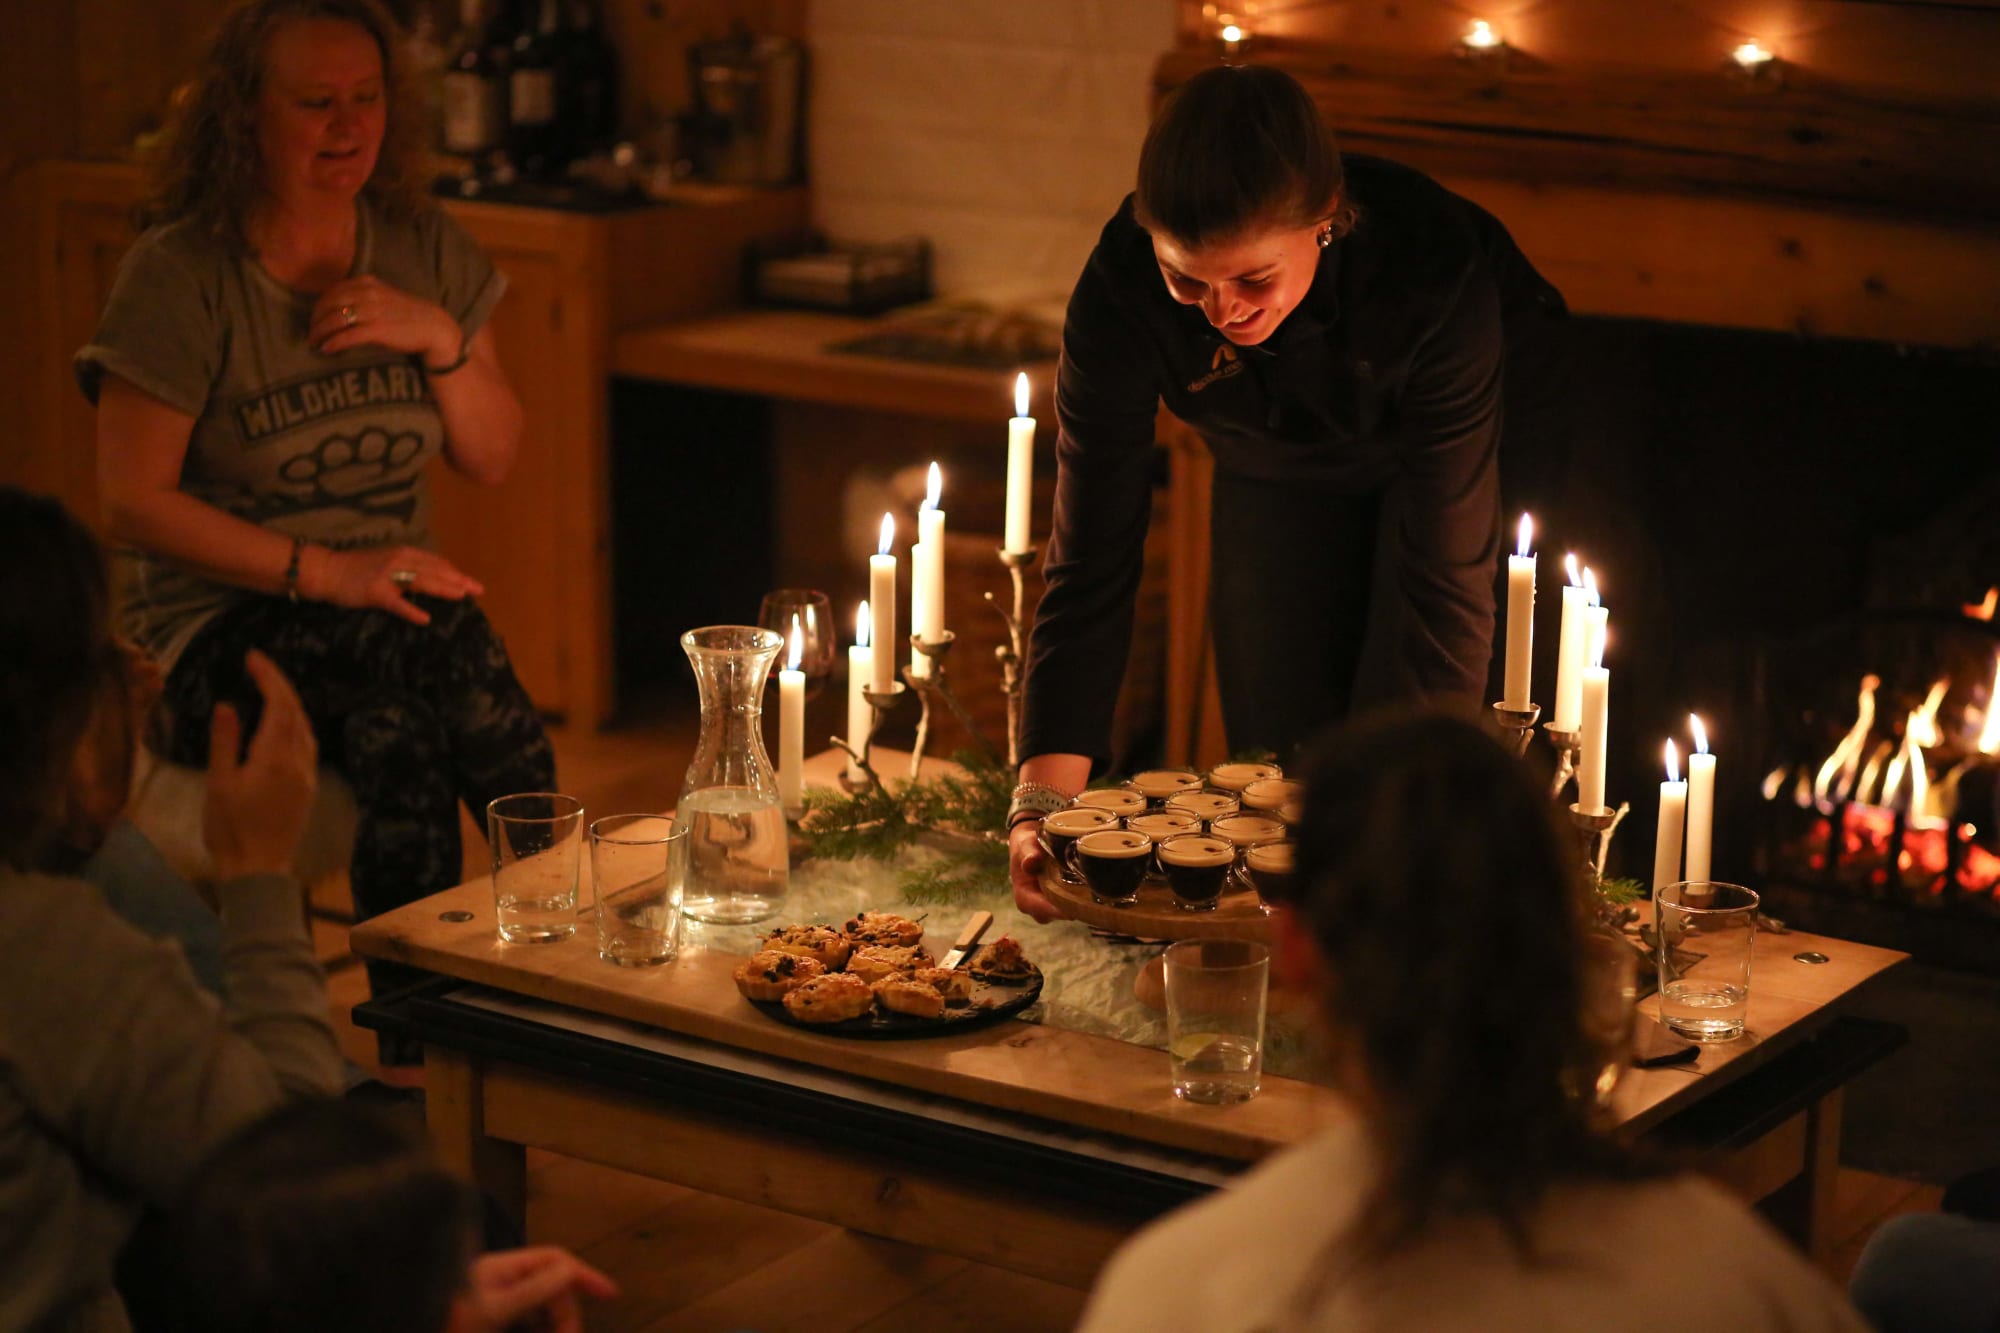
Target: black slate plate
x=991 y=1000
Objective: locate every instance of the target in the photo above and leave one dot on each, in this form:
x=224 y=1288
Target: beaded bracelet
x=292 y=570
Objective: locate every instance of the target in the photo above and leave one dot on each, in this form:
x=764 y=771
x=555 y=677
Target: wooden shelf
x=783 y=354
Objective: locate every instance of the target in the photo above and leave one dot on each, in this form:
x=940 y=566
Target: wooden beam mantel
x=1805 y=208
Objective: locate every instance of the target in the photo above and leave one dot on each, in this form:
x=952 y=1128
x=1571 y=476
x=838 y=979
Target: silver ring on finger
x=347 y=314
x=403 y=578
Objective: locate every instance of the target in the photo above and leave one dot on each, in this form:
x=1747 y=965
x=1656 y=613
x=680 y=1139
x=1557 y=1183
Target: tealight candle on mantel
x=792 y=723
x=1673 y=814
x=1518 y=680
x=1701 y=803
x=1020 y=471
x=1572 y=652
x=1595 y=728
x=882 y=600
x=860 y=715
x=927 y=575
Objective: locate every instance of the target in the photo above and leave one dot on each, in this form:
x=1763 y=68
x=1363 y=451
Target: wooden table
x=973 y=1143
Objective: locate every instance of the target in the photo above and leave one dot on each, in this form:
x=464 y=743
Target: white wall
x=1004 y=130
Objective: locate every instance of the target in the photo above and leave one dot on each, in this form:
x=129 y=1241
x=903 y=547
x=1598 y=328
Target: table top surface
x=1094 y=1081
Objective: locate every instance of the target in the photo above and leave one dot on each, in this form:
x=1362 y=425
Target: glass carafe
x=737 y=862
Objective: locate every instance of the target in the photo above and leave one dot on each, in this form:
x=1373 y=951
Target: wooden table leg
x=1822 y=1167
x=455 y=1114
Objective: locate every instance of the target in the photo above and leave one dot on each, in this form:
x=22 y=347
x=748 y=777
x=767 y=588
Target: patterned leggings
x=417 y=718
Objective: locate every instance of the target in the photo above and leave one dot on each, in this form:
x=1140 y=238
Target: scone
x=773 y=974
x=883 y=928
x=1002 y=961
x=953 y=987
x=833 y=997
x=907 y=995
x=872 y=962
x=825 y=943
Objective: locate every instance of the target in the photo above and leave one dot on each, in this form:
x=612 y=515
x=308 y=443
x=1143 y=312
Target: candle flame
x=1700 y=734
x=1590 y=586
x=934 y=488
x=1230 y=33
x=1673 y=763
x=864 y=626
x=1527 y=534
x=1983 y=610
x=1569 y=563
x=1750 y=55
x=797 y=649
x=1480 y=36
x=888 y=534
x=1021 y=394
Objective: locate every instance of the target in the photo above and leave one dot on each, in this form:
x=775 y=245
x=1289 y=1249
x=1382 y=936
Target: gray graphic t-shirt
x=330 y=448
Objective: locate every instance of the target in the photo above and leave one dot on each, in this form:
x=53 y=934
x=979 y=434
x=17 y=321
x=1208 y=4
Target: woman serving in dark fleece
x=1334 y=330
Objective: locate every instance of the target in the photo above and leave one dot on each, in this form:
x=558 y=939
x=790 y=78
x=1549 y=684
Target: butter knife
x=966 y=939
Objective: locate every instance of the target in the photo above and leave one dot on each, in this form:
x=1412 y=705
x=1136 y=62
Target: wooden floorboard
x=696 y=1245
x=985 y=1300
x=836 y=1282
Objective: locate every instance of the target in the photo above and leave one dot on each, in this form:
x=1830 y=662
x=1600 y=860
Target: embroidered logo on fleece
x=1221 y=366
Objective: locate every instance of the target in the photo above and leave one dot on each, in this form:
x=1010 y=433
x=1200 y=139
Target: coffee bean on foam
x=1164 y=824
x=1114 y=844
x=1078 y=820
x=1247 y=830
x=1117 y=800
x=1235 y=777
x=1196 y=850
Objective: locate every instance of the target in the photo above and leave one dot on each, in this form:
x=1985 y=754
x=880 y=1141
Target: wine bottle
x=535 y=130
x=588 y=77
x=475 y=87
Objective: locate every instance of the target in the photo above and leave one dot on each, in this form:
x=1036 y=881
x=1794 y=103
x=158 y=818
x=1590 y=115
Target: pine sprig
x=958 y=879
x=879 y=822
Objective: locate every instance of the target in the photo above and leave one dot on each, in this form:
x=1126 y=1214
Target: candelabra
x=1012 y=655
x=935 y=687
x=1568 y=745
x=1517 y=726
x=880 y=704
x=1596 y=828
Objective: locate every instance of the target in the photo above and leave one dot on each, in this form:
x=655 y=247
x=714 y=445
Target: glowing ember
x=1845 y=761
x=1983 y=610
x=1989 y=735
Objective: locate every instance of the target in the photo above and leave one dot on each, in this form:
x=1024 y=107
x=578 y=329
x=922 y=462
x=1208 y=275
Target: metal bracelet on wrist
x=1032 y=800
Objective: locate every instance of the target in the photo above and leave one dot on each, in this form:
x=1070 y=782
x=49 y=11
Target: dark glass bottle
x=475 y=85
x=535 y=138
x=588 y=76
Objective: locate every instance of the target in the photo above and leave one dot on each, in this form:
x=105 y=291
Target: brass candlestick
x=1517 y=726
x=880 y=704
x=1568 y=745
x=1596 y=828
x=937 y=687
x=1012 y=655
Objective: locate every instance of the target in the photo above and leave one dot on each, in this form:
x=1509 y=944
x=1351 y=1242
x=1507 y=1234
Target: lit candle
x=927 y=574
x=1572 y=652
x=860 y=717
x=882 y=598
x=1673 y=813
x=1520 y=621
x=1701 y=803
x=792 y=723
x=1480 y=36
x=1596 y=620
x=1596 y=727
x=1020 y=470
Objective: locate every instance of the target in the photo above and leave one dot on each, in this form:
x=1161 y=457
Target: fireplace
x=1774 y=519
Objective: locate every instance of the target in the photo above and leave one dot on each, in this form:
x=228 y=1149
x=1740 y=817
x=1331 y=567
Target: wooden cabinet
x=541 y=541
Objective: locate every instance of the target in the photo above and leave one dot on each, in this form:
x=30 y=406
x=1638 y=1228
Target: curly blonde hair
x=210 y=170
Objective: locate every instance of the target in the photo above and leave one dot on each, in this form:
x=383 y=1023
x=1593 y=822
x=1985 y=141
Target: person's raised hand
x=541 y=1283
x=366 y=311
x=382 y=577
x=1025 y=859
x=258 y=801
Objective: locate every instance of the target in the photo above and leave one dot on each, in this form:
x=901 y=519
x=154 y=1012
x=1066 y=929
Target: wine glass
x=818 y=636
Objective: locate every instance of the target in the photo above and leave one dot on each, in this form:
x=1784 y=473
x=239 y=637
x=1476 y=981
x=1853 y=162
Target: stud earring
x=1325 y=237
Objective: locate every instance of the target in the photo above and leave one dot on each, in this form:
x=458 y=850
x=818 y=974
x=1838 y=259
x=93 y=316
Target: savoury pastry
x=872 y=962
x=907 y=995
x=955 y=987
x=773 y=974
x=1002 y=961
x=825 y=943
x=832 y=998
x=883 y=928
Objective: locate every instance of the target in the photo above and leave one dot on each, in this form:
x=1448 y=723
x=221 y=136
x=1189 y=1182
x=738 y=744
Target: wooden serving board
x=1238 y=915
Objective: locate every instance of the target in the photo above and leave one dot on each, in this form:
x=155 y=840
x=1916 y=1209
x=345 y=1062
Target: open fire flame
x=1886 y=810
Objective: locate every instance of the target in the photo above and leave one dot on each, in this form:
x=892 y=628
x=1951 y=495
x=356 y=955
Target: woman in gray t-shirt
x=283 y=352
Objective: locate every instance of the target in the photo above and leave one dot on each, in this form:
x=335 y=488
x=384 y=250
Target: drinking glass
x=537 y=842
x=1215 y=1018
x=818 y=634
x=1706 y=933
x=1610 y=976
x=638 y=865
